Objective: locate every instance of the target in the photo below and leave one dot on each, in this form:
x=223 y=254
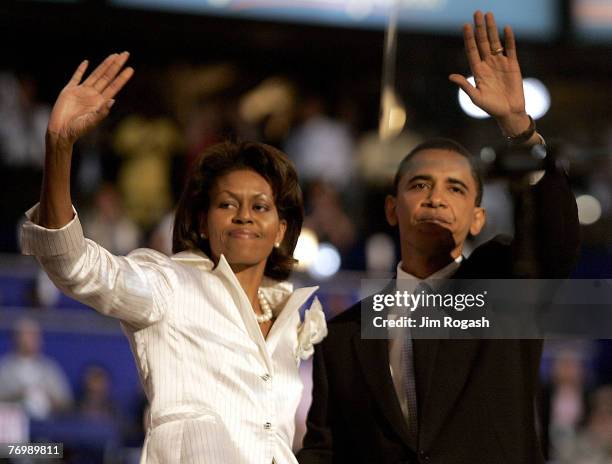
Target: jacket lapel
x=294 y=303
x=373 y=355
x=224 y=271
x=441 y=368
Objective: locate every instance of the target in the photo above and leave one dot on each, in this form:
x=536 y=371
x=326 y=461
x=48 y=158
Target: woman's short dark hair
x=223 y=158
x=441 y=144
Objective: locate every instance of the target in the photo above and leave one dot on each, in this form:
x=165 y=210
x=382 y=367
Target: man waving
x=437 y=400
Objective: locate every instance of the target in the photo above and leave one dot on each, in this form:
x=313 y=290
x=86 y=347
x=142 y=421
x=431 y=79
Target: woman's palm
x=81 y=106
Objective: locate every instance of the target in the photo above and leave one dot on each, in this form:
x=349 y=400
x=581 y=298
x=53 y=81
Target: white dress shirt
x=409 y=283
x=218 y=391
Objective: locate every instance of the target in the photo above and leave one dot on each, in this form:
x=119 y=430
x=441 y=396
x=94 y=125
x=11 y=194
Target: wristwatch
x=523 y=136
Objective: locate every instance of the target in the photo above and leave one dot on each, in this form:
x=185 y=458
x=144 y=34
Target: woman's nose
x=243 y=215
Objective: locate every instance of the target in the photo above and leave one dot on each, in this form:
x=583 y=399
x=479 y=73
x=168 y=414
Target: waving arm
x=79 y=107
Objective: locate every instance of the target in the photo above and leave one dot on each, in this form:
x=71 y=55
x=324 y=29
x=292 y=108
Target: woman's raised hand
x=81 y=106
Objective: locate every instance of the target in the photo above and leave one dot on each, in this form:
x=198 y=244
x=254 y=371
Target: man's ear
x=282 y=228
x=478 y=220
x=390 y=213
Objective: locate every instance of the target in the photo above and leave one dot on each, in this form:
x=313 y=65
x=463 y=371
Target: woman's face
x=242 y=222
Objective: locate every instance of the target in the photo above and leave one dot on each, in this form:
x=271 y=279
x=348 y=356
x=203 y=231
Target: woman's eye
x=226 y=205
x=261 y=208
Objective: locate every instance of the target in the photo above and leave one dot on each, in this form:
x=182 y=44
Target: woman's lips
x=243 y=234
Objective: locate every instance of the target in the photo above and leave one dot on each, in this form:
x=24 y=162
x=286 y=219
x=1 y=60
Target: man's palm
x=499 y=83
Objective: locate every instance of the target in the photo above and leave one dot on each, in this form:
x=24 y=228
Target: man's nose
x=435 y=199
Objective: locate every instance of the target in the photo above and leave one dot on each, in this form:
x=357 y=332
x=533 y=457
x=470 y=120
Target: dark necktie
x=409 y=378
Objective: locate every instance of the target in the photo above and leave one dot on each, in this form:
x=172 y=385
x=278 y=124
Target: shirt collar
x=409 y=280
x=276 y=292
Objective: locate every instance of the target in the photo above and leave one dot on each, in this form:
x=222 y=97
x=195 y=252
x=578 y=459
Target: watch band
x=523 y=136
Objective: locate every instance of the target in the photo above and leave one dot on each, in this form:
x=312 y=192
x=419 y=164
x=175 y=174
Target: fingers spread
x=471 y=50
x=111 y=71
x=463 y=83
x=99 y=71
x=78 y=74
x=510 y=42
x=492 y=32
x=118 y=82
x=482 y=41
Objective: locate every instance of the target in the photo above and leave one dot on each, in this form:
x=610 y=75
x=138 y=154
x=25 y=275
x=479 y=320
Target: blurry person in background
x=564 y=401
x=439 y=400
x=593 y=443
x=161 y=235
x=108 y=225
x=29 y=377
x=23 y=119
x=328 y=218
x=215 y=329
x=321 y=147
x=147 y=146
x=95 y=400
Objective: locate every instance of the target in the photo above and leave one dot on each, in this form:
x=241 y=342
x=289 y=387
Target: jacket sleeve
x=134 y=289
x=317 y=446
x=557 y=226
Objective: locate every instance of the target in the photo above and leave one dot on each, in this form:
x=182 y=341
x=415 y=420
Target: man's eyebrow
x=429 y=178
x=453 y=180
x=420 y=177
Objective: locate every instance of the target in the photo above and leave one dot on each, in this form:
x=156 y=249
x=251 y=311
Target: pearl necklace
x=265 y=308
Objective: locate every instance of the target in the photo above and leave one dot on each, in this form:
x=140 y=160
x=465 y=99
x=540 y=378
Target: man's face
x=435 y=203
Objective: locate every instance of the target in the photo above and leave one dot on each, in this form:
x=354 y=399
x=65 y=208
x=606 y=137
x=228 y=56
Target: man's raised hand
x=499 y=83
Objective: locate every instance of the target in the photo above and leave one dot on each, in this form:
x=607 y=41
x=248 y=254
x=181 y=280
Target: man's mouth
x=433 y=220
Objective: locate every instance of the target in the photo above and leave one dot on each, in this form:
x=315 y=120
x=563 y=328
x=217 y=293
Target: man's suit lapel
x=442 y=368
x=373 y=355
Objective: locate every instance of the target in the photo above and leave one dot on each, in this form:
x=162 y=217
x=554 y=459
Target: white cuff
x=40 y=241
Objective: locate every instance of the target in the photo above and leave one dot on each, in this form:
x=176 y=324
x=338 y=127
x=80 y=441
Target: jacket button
x=267 y=426
x=266 y=377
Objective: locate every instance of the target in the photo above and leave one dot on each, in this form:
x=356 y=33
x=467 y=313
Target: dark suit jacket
x=475 y=397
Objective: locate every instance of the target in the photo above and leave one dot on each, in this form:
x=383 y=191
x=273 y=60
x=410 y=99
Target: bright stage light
x=488 y=155
x=589 y=209
x=393 y=115
x=467 y=106
x=537 y=99
x=306 y=249
x=326 y=263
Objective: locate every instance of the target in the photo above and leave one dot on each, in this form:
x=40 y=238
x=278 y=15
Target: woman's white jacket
x=218 y=391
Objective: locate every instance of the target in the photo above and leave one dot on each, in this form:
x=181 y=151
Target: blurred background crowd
x=307 y=79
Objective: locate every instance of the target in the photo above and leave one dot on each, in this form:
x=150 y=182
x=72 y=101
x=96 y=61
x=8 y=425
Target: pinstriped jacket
x=218 y=391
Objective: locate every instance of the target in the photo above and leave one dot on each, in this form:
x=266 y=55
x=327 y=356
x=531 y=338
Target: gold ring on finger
x=497 y=51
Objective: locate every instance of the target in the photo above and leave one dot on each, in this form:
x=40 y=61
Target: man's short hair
x=441 y=143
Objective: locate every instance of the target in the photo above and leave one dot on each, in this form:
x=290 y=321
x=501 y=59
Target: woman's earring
x=203 y=236
x=277 y=245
